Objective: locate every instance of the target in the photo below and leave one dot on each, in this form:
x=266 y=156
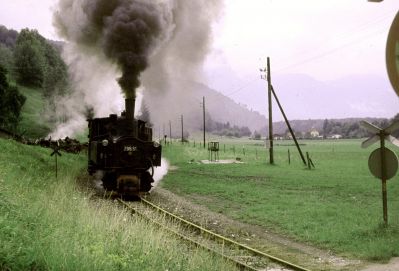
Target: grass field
x=336 y=206
x=55 y=224
x=32 y=122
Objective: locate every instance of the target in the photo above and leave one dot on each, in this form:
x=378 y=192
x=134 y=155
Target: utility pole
x=170 y=131
x=289 y=126
x=163 y=130
x=203 y=111
x=269 y=97
x=182 y=130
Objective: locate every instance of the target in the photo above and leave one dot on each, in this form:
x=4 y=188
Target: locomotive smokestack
x=129 y=107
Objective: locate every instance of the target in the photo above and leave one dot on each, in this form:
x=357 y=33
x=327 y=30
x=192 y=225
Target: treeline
x=28 y=59
x=352 y=129
x=225 y=129
x=327 y=128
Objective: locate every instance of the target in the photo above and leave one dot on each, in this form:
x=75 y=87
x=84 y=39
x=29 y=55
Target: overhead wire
x=360 y=28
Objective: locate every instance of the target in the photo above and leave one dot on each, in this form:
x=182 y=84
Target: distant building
x=314 y=133
x=337 y=136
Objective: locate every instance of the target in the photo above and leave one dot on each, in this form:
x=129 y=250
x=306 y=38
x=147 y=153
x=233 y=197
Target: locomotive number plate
x=129 y=148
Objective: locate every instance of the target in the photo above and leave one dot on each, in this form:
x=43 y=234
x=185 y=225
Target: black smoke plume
x=108 y=39
x=125 y=31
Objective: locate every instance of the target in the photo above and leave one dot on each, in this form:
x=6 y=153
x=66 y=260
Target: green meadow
x=336 y=206
x=33 y=124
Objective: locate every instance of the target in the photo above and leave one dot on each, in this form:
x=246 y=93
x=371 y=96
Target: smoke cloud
x=147 y=43
x=125 y=31
x=169 y=79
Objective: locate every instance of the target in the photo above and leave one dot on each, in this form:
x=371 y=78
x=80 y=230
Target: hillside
x=33 y=124
x=223 y=109
x=185 y=98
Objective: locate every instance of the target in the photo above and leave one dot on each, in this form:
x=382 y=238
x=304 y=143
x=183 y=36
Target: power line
x=323 y=54
x=331 y=51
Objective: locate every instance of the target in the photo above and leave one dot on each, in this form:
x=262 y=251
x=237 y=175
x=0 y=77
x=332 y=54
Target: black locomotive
x=121 y=149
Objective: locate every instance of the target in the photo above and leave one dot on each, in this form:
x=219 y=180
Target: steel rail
x=190 y=241
x=215 y=235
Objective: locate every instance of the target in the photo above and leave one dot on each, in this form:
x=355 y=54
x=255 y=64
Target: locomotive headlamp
x=105 y=143
x=156 y=144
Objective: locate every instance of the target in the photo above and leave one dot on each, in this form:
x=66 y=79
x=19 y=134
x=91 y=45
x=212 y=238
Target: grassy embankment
x=337 y=206
x=50 y=224
x=32 y=123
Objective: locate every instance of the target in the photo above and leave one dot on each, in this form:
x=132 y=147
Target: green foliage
x=225 y=129
x=33 y=124
x=56 y=75
x=6 y=57
x=37 y=63
x=8 y=36
x=257 y=135
x=29 y=58
x=346 y=129
x=337 y=206
x=11 y=102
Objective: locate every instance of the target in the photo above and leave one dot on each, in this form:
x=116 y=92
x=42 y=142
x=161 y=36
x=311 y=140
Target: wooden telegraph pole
x=270 y=92
x=182 y=130
x=269 y=96
x=203 y=111
x=170 y=131
x=383 y=178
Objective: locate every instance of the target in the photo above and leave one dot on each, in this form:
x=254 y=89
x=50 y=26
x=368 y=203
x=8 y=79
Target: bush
x=11 y=102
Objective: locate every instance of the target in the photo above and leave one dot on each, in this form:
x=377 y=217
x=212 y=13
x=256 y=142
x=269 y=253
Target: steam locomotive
x=121 y=149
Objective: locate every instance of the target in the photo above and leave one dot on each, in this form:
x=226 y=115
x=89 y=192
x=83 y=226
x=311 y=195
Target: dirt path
x=256 y=236
x=393 y=265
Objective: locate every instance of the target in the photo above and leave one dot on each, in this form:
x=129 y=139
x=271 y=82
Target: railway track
x=245 y=257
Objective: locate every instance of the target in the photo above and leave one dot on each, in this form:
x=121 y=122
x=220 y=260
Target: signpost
x=383 y=163
x=56 y=153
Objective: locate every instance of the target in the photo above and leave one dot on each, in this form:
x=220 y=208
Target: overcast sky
x=304 y=35
x=325 y=40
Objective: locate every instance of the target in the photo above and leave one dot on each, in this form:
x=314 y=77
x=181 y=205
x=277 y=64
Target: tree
x=11 y=102
x=55 y=80
x=6 y=58
x=8 y=36
x=256 y=135
x=396 y=118
x=326 y=128
x=29 y=58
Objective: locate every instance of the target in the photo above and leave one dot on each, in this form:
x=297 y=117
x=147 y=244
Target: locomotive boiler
x=122 y=150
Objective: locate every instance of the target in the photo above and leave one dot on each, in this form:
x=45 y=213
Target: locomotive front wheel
x=109 y=181
x=146 y=180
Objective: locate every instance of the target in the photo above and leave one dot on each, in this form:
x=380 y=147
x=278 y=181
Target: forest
x=28 y=59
